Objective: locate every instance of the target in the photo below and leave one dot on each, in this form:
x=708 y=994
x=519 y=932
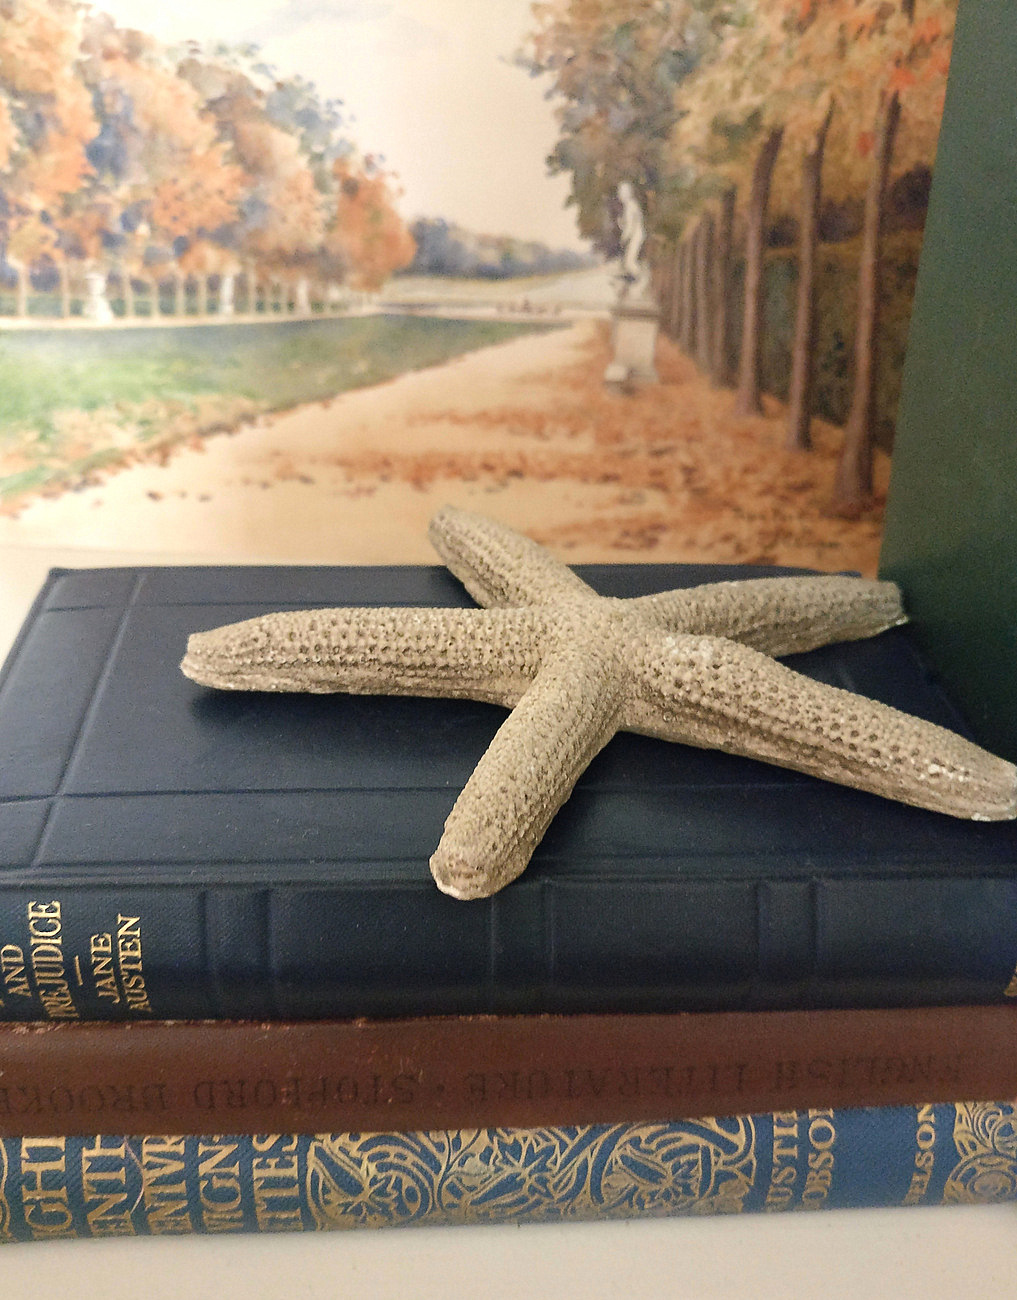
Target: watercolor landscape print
x=280 y=277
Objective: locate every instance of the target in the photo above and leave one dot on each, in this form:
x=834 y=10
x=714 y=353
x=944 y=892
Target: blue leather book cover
x=107 y=1186
x=173 y=852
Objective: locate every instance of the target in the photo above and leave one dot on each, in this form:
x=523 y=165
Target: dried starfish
x=692 y=665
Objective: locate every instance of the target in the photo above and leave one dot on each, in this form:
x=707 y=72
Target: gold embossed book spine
x=53 y=1188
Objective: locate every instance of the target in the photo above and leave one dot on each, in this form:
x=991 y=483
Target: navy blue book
x=168 y=851
x=54 y=1188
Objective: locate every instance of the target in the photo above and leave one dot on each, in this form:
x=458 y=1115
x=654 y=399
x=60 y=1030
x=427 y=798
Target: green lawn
x=72 y=399
x=277 y=365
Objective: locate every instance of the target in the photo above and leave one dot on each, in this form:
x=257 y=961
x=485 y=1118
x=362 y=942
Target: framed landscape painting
x=278 y=278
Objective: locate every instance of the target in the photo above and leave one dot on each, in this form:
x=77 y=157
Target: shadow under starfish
x=693 y=665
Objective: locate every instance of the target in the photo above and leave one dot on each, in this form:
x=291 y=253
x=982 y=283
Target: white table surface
x=937 y=1254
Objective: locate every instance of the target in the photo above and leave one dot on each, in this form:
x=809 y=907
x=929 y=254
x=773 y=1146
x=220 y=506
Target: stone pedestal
x=634 y=328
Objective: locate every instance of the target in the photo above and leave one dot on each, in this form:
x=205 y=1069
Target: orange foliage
x=31 y=238
x=928 y=31
x=367 y=232
x=38 y=51
x=180 y=147
x=164 y=109
x=293 y=222
x=7 y=135
x=785 y=62
x=60 y=167
x=86 y=226
x=177 y=164
x=202 y=195
x=38 y=43
x=202 y=257
x=901 y=79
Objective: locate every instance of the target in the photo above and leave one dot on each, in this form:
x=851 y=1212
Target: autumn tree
x=366 y=232
x=899 y=59
x=128 y=157
x=788 y=81
x=158 y=157
x=783 y=87
x=288 y=143
x=612 y=66
x=731 y=127
x=46 y=122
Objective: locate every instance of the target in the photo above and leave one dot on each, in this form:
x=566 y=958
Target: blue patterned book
x=176 y=853
x=109 y=1186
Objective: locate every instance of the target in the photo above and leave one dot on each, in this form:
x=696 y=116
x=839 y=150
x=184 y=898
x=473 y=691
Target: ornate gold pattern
x=5 y=1210
x=985 y=1135
x=490 y=1175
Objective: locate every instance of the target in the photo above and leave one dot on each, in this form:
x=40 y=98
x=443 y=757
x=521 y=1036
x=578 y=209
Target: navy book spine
x=172 y=852
x=55 y=1188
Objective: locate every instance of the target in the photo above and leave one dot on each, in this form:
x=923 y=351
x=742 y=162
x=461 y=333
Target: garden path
x=524 y=431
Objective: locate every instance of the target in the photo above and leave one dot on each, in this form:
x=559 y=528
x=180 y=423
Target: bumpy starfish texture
x=693 y=665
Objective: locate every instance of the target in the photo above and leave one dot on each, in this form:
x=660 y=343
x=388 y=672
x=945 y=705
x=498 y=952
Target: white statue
x=635 y=274
x=634 y=315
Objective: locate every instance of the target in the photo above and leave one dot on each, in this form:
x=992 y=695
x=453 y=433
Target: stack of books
x=235 y=1001
x=231 y=998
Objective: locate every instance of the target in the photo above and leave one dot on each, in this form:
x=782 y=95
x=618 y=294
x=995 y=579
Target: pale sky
x=428 y=84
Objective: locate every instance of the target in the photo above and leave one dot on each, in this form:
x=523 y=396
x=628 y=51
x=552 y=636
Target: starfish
x=694 y=665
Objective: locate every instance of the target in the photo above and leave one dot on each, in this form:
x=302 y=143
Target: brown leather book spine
x=488 y=1071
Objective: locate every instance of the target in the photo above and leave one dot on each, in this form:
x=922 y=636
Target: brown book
x=486 y=1071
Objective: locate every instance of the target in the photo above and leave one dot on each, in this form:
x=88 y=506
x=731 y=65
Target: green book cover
x=949 y=537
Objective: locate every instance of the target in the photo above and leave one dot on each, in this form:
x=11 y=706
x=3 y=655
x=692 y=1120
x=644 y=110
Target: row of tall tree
x=731 y=117
x=120 y=155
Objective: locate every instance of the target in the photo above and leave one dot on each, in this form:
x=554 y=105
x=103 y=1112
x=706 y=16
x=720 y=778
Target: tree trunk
x=128 y=290
x=695 y=306
x=747 y=401
x=852 y=488
x=660 y=280
x=800 y=397
x=721 y=370
x=686 y=330
x=65 y=289
x=704 y=313
x=21 y=291
x=674 y=299
x=226 y=304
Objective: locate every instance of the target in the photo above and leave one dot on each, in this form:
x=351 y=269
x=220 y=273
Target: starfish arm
x=779 y=615
x=498 y=566
x=454 y=653
x=564 y=719
x=712 y=692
